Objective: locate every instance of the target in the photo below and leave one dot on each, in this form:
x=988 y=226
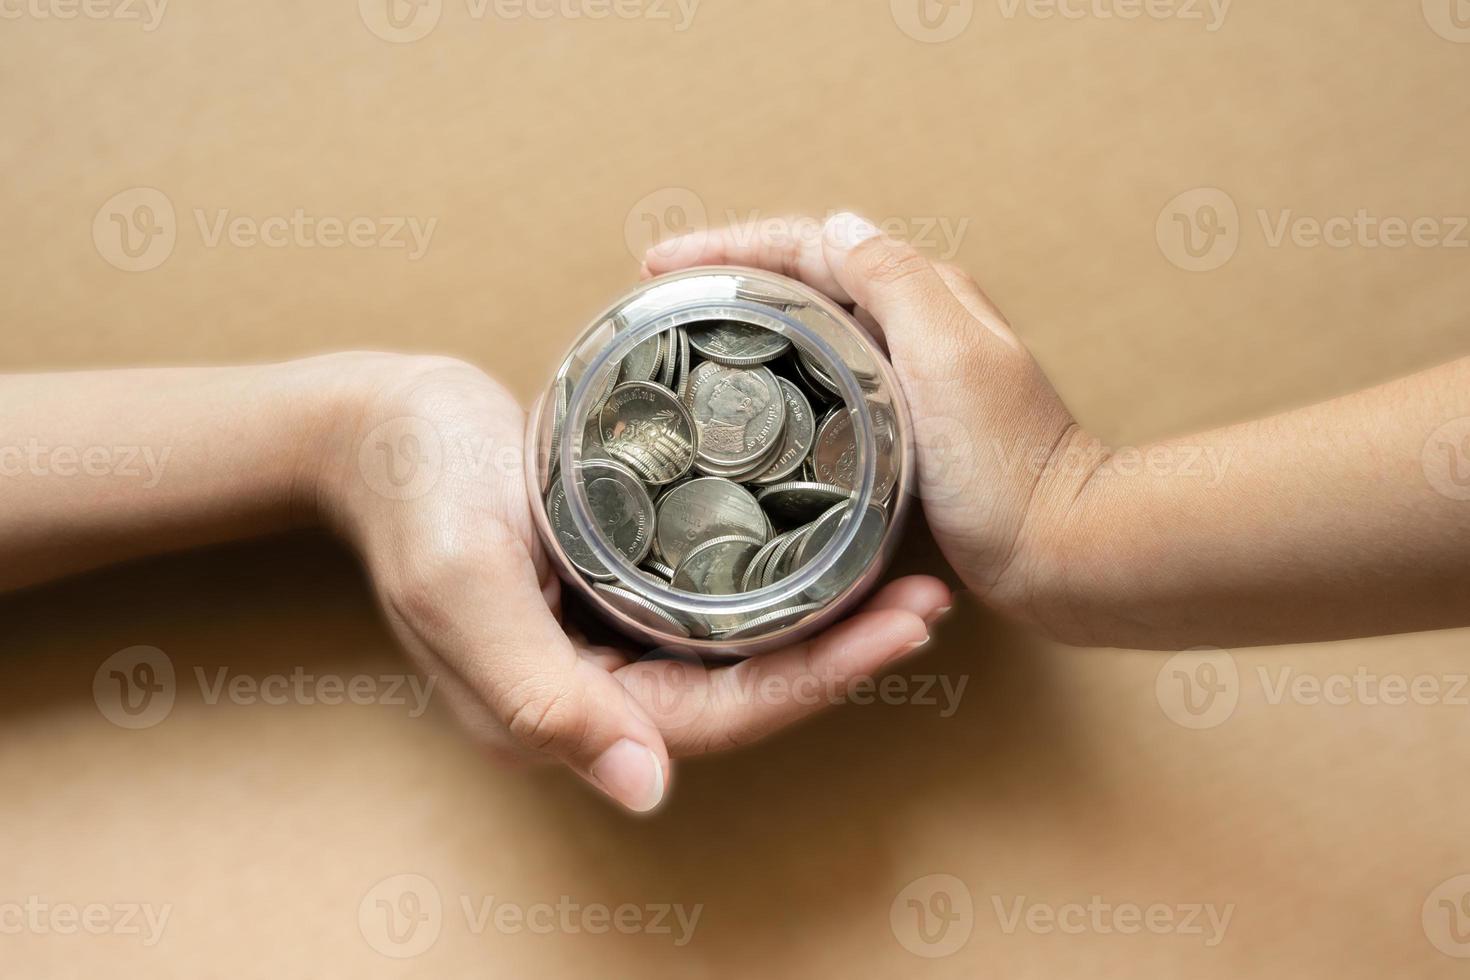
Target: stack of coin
x=719 y=459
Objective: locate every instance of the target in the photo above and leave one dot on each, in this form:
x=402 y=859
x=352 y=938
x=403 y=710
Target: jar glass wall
x=722 y=463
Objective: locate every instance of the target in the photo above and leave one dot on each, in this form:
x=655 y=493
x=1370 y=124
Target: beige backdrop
x=1050 y=150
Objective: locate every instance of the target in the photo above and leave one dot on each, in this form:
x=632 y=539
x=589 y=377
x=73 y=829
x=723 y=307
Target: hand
x=1000 y=457
x=427 y=481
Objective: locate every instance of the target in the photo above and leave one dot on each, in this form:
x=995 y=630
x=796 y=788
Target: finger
x=922 y=319
x=700 y=710
x=789 y=246
x=923 y=595
x=979 y=305
x=494 y=628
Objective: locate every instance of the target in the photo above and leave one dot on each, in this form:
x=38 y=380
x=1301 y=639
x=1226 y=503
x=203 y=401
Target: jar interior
x=720 y=345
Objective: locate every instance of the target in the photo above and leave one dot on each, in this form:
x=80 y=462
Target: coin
x=644 y=426
x=753 y=573
x=796 y=437
x=777 y=563
x=717 y=566
x=850 y=346
x=800 y=502
x=643 y=361
x=771 y=622
x=817 y=374
x=622 y=509
x=659 y=568
x=737 y=344
x=872 y=524
x=561 y=394
x=683 y=362
x=743 y=472
x=705 y=508
x=739 y=412
x=668 y=365
x=835 y=452
x=641 y=610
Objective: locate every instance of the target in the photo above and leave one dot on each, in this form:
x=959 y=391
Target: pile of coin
x=719 y=459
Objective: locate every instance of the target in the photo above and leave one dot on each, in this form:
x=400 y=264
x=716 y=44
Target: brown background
x=536 y=144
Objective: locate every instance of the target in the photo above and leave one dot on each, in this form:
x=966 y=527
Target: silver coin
x=753 y=573
x=854 y=559
x=667 y=366
x=660 y=569
x=835 y=452
x=817 y=391
x=798 y=502
x=772 y=622
x=717 y=566
x=643 y=361
x=778 y=563
x=621 y=507
x=644 y=426
x=641 y=610
x=737 y=344
x=709 y=507
x=683 y=361
x=739 y=412
x=742 y=473
x=817 y=374
x=796 y=437
x=852 y=350
x=560 y=397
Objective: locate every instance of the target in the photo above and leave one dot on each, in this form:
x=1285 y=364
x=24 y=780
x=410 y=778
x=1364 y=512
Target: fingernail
x=937 y=615
x=846 y=230
x=905 y=651
x=631 y=774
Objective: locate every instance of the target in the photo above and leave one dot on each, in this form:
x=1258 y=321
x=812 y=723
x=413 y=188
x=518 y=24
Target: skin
x=456 y=565
x=1320 y=524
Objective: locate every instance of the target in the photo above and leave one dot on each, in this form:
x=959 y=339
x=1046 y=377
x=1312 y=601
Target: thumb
x=513 y=654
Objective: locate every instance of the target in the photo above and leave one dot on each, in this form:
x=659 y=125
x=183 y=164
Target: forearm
x=1313 y=525
x=98 y=467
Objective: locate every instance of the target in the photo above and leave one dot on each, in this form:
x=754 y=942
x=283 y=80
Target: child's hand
x=1341 y=519
x=990 y=430
x=428 y=482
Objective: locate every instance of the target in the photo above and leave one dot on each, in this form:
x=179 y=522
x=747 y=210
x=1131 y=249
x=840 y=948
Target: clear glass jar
x=835 y=355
